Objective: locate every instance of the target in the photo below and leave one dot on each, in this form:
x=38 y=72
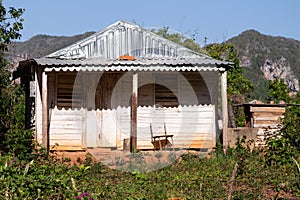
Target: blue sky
x=218 y=20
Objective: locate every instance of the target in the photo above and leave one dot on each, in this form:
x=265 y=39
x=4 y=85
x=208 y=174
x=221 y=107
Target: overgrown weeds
x=193 y=177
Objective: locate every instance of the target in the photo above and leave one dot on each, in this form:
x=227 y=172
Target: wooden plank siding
x=195 y=131
x=265 y=117
x=66 y=127
x=192 y=126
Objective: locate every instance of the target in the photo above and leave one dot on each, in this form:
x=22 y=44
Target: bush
x=16 y=140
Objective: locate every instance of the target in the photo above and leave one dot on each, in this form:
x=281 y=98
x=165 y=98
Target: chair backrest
x=151 y=131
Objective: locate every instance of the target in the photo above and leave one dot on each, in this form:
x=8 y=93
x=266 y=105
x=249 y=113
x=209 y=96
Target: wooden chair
x=160 y=141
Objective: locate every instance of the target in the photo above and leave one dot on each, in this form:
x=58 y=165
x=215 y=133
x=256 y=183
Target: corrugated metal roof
x=123 y=38
x=100 y=52
x=154 y=64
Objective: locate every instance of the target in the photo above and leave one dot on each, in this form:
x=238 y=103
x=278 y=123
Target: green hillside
x=255 y=49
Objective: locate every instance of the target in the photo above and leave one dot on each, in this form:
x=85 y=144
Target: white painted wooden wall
x=192 y=126
x=66 y=127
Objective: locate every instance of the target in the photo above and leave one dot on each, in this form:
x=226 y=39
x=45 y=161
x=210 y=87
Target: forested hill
x=266 y=57
x=41 y=45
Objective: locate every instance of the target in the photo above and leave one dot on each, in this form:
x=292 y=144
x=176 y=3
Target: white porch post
x=45 y=134
x=224 y=108
x=134 y=103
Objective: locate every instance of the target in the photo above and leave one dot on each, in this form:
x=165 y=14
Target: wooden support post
x=224 y=109
x=134 y=104
x=45 y=133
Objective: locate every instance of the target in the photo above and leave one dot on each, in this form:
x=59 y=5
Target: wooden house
x=115 y=84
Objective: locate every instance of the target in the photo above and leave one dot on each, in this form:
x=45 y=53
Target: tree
x=180 y=39
x=10 y=25
x=278 y=91
x=13 y=136
x=239 y=88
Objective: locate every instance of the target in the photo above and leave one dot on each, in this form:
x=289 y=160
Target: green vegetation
x=14 y=139
x=190 y=177
x=180 y=39
x=239 y=88
x=278 y=91
x=285 y=143
x=291 y=123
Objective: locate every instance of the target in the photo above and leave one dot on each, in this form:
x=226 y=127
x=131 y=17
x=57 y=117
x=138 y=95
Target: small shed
x=264 y=118
x=263 y=115
x=114 y=84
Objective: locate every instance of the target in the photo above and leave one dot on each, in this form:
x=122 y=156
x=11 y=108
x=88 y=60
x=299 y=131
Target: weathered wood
x=66 y=127
x=146 y=94
x=266 y=118
x=45 y=133
x=267 y=114
x=224 y=108
x=193 y=82
x=134 y=103
x=105 y=89
x=270 y=122
x=69 y=90
x=267 y=109
x=55 y=88
x=38 y=103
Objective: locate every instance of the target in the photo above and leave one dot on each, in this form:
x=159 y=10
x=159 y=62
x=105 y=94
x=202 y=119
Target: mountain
x=41 y=45
x=266 y=57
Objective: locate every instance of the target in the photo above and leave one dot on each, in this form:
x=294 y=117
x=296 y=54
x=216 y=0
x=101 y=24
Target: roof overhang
x=102 y=65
